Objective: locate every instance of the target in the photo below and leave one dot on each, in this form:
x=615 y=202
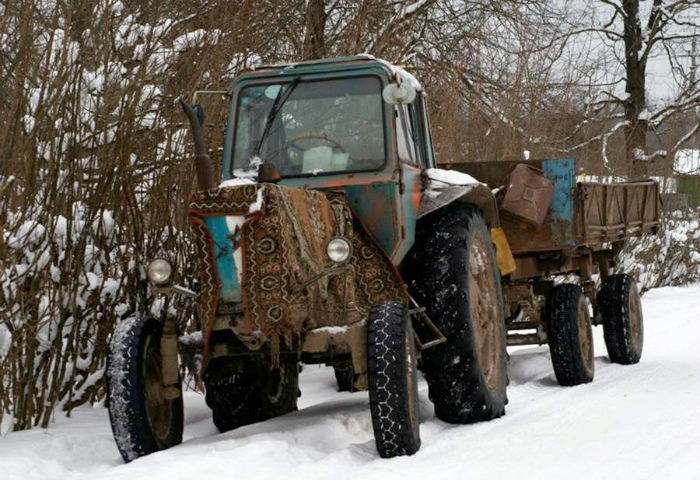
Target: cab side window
x=406 y=134
x=430 y=161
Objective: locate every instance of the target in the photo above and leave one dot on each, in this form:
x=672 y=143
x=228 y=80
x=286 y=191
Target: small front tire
x=143 y=419
x=393 y=381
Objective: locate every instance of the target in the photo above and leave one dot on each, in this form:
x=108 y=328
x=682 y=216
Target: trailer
x=557 y=226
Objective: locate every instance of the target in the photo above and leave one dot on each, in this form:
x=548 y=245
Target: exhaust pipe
x=202 y=162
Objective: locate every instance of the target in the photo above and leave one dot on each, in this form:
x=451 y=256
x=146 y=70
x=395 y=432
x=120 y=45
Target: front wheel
x=393 y=380
x=570 y=335
x=145 y=416
x=244 y=390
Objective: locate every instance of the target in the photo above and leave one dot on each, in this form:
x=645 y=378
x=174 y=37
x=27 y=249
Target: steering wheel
x=293 y=139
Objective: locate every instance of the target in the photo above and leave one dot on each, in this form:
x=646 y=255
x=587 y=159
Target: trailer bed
x=581 y=215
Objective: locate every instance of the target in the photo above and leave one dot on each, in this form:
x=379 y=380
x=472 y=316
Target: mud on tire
x=570 y=335
x=452 y=271
x=623 y=322
x=393 y=386
x=140 y=424
x=245 y=390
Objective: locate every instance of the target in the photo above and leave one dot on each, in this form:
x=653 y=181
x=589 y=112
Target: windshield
x=308 y=128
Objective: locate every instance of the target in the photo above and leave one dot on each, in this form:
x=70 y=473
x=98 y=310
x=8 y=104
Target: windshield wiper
x=277 y=105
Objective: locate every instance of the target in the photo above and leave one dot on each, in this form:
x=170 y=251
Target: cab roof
x=363 y=60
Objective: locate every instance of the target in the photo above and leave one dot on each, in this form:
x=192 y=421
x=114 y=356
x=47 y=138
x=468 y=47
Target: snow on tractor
x=334 y=239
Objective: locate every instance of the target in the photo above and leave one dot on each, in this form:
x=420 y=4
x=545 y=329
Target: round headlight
x=339 y=249
x=159 y=271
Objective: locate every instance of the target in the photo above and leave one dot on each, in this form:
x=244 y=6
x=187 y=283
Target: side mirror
x=397 y=94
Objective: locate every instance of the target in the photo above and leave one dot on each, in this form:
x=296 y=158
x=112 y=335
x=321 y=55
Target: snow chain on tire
x=393 y=392
x=127 y=389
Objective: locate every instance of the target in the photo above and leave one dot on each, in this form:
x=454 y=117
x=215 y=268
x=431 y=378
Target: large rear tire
x=570 y=335
x=393 y=381
x=623 y=322
x=143 y=419
x=245 y=390
x=452 y=271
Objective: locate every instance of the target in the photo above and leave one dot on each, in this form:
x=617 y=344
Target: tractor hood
x=265 y=245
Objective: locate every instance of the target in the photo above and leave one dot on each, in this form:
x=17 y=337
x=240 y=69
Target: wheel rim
x=159 y=411
x=585 y=334
x=635 y=318
x=484 y=314
x=412 y=383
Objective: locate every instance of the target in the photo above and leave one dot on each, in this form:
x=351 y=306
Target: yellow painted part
x=504 y=256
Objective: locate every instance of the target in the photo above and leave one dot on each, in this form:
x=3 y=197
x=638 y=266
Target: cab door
x=388 y=207
x=415 y=155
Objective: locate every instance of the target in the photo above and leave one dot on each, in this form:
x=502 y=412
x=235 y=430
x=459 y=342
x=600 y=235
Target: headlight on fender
x=159 y=272
x=339 y=249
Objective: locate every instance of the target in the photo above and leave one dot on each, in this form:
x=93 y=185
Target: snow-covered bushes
x=672 y=257
x=64 y=282
x=94 y=183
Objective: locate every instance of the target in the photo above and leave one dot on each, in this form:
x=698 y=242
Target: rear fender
x=435 y=198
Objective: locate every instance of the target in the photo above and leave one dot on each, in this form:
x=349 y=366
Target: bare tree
x=629 y=34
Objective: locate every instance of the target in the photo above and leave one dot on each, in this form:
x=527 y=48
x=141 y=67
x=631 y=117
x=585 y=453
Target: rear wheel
x=570 y=335
x=244 y=390
x=145 y=417
x=623 y=322
x=393 y=381
x=452 y=271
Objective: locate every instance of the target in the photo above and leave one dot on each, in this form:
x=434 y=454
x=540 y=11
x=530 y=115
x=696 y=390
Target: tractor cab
x=356 y=125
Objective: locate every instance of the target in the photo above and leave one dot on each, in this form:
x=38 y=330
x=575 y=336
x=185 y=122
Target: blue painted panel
x=562 y=172
x=223 y=252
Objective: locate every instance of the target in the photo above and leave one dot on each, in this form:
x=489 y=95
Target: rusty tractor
x=333 y=238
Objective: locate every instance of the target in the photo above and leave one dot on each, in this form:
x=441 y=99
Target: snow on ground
x=634 y=422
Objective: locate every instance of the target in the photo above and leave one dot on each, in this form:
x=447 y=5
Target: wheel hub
x=483 y=305
x=635 y=319
x=585 y=334
x=158 y=409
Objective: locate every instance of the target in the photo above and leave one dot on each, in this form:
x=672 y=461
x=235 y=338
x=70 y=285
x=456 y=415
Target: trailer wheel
x=345 y=377
x=570 y=335
x=143 y=419
x=245 y=390
x=393 y=380
x=623 y=322
x=452 y=271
